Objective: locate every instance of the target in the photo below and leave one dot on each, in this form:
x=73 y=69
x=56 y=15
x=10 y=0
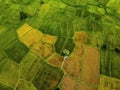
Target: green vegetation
x=3 y=87
x=48 y=77
x=17 y=51
x=60 y=18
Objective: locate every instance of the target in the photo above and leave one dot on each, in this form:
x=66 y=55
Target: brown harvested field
x=68 y=83
x=85 y=87
x=43 y=49
x=49 y=39
x=31 y=38
x=80 y=37
x=90 y=70
x=23 y=30
x=73 y=63
x=78 y=51
x=55 y=59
